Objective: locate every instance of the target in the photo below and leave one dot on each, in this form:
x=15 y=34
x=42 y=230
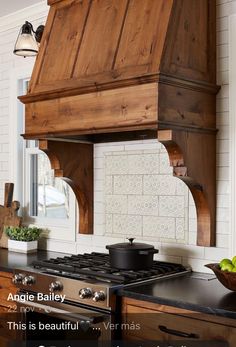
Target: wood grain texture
x=143 y=35
x=54 y=56
x=193 y=157
x=185 y=107
x=190 y=45
x=101 y=39
x=174 y=310
x=83 y=86
x=73 y=162
x=6 y=287
x=6 y=310
x=52 y=2
x=5 y=274
x=105 y=36
x=150 y=316
x=102 y=30
x=8 y=213
x=97 y=112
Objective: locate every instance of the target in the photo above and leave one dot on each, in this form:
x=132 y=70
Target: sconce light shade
x=27 y=44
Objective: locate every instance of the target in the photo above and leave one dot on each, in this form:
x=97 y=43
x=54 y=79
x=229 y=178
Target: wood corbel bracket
x=73 y=162
x=193 y=157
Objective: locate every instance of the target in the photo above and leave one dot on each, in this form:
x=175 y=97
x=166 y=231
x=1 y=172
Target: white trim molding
x=60 y=230
x=16 y=75
x=232 y=131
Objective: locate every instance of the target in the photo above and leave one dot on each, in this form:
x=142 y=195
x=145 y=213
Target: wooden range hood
x=110 y=70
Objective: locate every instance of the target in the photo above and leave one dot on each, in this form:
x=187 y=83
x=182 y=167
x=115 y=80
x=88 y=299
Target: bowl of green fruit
x=225 y=271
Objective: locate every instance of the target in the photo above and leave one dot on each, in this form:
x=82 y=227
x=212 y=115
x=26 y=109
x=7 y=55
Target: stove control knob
x=85 y=293
x=17 y=278
x=28 y=280
x=55 y=287
x=99 y=296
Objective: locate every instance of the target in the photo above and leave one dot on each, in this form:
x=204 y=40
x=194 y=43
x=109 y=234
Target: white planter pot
x=22 y=246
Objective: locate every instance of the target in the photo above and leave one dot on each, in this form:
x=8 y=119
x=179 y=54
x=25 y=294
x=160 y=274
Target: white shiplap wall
x=189 y=253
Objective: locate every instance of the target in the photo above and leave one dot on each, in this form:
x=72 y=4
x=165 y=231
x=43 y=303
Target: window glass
x=49 y=196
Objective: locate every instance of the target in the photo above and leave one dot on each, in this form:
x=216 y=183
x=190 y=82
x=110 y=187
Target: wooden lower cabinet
x=148 y=321
x=6 y=287
x=4 y=342
x=7 y=310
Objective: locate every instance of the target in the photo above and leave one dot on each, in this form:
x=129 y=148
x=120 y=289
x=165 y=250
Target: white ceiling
x=9 y=6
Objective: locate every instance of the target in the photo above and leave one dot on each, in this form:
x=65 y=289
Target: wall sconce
x=27 y=43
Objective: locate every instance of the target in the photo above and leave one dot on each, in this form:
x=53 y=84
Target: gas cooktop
x=96 y=266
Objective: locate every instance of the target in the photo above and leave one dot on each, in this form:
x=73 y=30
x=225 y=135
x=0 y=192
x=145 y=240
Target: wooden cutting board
x=8 y=213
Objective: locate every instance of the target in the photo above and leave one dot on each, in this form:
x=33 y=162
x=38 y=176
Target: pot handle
x=151 y=251
x=131 y=239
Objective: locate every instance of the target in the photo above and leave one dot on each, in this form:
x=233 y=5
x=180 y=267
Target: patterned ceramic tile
x=143 y=164
x=171 y=206
x=142 y=196
x=143 y=205
x=159 y=185
x=116 y=165
x=180 y=228
x=165 y=167
x=181 y=187
x=130 y=184
x=108 y=221
x=116 y=204
x=127 y=225
x=108 y=185
x=159 y=227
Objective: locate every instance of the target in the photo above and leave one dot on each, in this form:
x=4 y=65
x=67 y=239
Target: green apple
x=224 y=262
x=234 y=260
x=227 y=267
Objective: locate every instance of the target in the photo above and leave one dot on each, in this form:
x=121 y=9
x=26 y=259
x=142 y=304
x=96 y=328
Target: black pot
x=131 y=255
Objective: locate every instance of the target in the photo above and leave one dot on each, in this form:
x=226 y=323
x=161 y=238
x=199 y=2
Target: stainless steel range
x=82 y=287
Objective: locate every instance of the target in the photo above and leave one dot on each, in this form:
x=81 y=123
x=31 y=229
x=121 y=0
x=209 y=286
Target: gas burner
x=96 y=266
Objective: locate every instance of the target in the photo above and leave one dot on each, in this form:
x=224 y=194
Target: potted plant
x=23 y=239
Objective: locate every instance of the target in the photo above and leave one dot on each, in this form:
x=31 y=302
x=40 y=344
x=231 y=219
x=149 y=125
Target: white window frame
x=59 y=229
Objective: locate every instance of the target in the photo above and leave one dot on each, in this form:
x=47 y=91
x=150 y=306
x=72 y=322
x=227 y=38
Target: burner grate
x=96 y=266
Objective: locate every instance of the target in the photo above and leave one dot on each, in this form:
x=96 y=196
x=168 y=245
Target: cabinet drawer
x=159 y=326
x=6 y=287
x=4 y=342
x=5 y=317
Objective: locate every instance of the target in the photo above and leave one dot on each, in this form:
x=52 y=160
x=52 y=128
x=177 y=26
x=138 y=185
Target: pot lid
x=130 y=245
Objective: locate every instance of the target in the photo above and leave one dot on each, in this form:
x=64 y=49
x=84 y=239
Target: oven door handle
x=52 y=310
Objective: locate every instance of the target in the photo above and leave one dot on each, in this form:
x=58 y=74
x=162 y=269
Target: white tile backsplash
x=159 y=185
x=143 y=205
x=130 y=184
x=143 y=164
x=180 y=228
x=116 y=204
x=159 y=227
x=156 y=203
x=165 y=167
x=171 y=206
x=127 y=225
x=118 y=166
x=109 y=185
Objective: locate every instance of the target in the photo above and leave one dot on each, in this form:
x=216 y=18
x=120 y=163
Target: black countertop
x=196 y=292
x=12 y=260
